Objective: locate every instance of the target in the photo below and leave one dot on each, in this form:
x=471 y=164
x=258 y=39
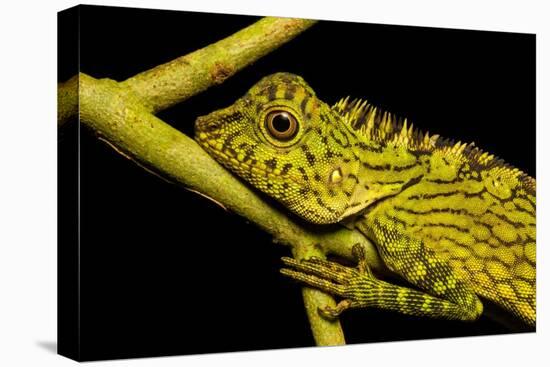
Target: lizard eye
x=281 y=125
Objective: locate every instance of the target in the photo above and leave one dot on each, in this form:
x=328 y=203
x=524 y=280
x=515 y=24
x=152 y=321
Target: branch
x=179 y=79
x=67 y=100
x=120 y=114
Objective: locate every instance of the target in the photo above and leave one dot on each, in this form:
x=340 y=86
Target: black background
x=164 y=271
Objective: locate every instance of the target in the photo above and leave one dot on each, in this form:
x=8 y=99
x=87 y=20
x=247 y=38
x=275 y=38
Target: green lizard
x=455 y=222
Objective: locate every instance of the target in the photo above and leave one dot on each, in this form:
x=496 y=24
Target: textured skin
x=455 y=222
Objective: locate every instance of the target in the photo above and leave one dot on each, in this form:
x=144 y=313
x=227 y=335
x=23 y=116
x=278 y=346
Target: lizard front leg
x=441 y=294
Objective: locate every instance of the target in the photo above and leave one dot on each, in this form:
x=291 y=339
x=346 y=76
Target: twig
x=67 y=100
x=179 y=79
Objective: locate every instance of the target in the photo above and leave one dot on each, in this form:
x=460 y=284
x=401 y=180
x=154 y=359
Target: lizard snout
x=206 y=124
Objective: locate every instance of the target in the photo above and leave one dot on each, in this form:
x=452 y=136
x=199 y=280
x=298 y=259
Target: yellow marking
x=420 y=270
x=426 y=305
x=279 y=92
x=509 y=206
x=482 y=279
x=441 y=170
x=473 y=265
x=502 y=188
x=506 y=256
x=445 y=257
x=432 y=261
x=451 y=281
x=493 y=241
x=505 y=232
x=525 y=271
x=459 y=270
x=515 y=216
x=336 y=176
x=439 y=287
x=399 y=157
x=481 y=233
x=528 y=312
x=524 y=204
x=530 y=252
x=497 y=270
x=505 y=291
x=481 y=249
x=402 y=295
x=458 y=251
x=299 y=94
x=490 y=219
x=517 y=250
x=523 y=289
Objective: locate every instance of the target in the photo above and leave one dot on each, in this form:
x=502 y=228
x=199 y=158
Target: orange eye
x=281 y=125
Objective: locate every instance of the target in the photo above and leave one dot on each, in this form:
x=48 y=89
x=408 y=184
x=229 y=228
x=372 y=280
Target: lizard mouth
x=239 y=162
x=230 y=159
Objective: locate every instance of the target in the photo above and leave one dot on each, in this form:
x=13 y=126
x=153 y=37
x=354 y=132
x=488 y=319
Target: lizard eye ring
x=281 y=125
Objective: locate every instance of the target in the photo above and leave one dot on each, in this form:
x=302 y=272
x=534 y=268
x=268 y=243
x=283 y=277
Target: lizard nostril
x=198 y=123
x=205 y=124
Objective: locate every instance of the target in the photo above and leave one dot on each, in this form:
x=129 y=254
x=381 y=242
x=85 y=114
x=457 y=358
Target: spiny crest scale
x=388 y=129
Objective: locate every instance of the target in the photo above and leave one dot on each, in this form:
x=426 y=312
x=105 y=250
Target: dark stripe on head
x=303 y=172
x=286 y=168
x=324 y=205
x=324 y=118
x=344 y=143
x=288 y=78
x=368 y=148
x=309 y=156
x=259 y=107
x=229 y=140
x=290 y=91
x=331 y=154
x=304 y=104
x=403 y=168
x=272 y=92
x=271 y=163
x=353 y=177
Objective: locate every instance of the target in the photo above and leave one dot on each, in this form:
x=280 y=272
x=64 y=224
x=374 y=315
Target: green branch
x=120 y=114
x=179 y=79
x=67 y=100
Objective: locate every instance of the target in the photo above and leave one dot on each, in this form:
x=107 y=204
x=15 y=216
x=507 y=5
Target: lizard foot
x=332 y=278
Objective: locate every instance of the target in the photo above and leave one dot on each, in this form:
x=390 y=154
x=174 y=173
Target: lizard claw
x=332 y=313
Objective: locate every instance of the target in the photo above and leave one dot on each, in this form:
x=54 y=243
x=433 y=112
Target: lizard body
x=454 y=221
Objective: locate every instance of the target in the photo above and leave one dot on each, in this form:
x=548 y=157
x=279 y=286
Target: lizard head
x=288 y=144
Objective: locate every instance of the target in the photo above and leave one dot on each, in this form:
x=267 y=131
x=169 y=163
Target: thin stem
x=67 y=100
x=179 y=79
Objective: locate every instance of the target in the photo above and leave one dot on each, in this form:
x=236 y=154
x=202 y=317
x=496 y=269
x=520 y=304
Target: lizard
x=456 y=223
